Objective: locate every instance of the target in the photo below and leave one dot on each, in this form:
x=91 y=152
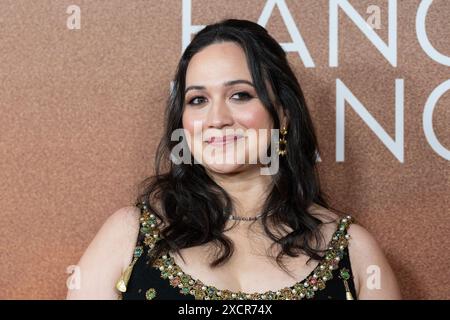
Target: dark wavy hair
x=192 y=205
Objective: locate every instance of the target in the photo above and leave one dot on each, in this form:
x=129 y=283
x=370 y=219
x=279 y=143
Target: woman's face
x=222 y=114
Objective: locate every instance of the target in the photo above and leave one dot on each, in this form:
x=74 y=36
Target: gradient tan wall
x=81 y=115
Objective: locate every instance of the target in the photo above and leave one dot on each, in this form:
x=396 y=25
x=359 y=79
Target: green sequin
x=345 y=274
x=145 y=229
x=138 y=252
x=185 y=290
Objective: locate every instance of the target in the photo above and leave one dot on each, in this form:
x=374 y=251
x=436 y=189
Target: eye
x=246 y=96
x=191 y=102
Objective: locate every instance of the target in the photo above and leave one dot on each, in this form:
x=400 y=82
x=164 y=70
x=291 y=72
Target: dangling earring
x=282 y=141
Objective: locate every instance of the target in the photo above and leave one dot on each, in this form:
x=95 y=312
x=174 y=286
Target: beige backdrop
x=81 y=115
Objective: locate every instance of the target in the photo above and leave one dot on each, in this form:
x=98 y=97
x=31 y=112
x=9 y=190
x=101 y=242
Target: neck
x=248 y=190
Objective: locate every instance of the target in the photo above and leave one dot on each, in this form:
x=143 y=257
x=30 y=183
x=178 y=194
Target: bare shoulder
x=126 y=220
x=375 y=277
x=120 y=229
x=107 y=256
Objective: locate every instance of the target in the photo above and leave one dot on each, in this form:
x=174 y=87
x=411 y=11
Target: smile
x=220 y=141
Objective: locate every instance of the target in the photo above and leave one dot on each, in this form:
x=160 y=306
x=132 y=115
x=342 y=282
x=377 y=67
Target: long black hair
x=192 y=205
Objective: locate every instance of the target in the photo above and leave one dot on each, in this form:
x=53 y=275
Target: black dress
x=165 y=280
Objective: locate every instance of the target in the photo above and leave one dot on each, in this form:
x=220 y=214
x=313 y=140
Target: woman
x=208 y=229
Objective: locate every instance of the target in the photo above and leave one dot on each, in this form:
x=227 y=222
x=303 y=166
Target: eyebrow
x=225 y=84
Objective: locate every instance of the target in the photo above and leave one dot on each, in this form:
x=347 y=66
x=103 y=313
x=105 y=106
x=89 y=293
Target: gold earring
x=282 y=152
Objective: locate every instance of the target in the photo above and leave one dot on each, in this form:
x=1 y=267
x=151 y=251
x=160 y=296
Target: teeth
x=223 y=139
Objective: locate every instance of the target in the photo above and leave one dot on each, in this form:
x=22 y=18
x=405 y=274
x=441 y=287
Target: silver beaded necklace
x=237 y=218
x=231 y=217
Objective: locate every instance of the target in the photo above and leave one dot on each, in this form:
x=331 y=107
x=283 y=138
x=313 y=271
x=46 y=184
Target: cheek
x=257 y=118
x=192 y=126
x=187 y=122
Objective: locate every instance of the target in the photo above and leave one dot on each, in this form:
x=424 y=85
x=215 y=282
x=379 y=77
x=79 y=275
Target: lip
x=219 y=141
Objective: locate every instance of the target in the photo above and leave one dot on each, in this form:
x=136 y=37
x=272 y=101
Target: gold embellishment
x=302 y=289
x=148 y=228
x=282 y=142
x=348 y=294
x=122 y=283
x=345 y=276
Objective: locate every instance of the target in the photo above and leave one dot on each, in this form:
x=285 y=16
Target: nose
x=219 y=115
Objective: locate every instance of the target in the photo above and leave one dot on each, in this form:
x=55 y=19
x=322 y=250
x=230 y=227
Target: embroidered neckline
x=305 y=288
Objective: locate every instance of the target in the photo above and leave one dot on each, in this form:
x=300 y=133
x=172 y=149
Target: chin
x=225 y=168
